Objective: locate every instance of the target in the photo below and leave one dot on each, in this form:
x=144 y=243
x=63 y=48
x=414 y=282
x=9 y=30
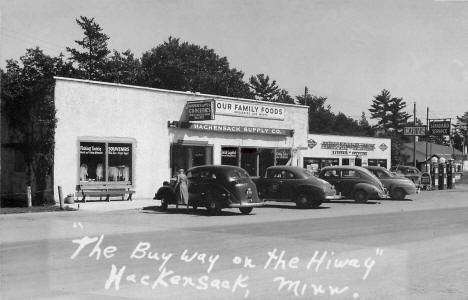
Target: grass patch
x=33 y=209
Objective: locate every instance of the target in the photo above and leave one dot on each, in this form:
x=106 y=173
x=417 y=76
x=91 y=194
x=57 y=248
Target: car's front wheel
x=398 y=194
x=164 y=203
x=246 y=210
x=302 y=201
x=361 y=196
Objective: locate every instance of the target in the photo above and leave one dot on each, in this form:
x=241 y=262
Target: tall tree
x=92 y=60
x=263 y=89
x=388 y=111
x=460 y=137
x=27 y=97
x=182 y=66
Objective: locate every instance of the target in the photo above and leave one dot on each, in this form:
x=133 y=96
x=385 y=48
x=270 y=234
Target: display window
x=282 y=156
x=230 y=156
x=377 y=162
x=188 y=156
x=315 y=164
x=249 y=160
x=106 y=162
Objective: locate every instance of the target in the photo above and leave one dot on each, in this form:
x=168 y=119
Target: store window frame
x=106 y=141
x=258 y=148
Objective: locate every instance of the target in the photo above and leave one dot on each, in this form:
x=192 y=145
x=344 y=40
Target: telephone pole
x=414 y=138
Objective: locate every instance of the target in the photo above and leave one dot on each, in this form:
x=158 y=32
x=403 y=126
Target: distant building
x=447 y=152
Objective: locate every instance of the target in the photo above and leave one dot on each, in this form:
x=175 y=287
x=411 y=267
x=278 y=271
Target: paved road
x=415 y=249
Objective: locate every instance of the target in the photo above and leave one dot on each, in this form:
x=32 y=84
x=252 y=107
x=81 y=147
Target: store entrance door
x=187 y=156
x=249 y=160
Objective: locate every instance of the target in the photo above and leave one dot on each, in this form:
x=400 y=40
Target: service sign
x=414 y=130
x=249 y=109
x=200 y=110
x=439 y=128
x=241 y=129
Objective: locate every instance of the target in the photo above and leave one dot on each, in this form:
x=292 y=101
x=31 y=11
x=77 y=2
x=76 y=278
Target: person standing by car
x=182 y=187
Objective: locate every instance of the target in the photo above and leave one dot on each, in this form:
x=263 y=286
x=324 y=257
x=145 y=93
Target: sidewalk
x=102 y=206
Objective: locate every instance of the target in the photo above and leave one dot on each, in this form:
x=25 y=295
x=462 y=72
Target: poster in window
x=119 y=161
x=92 y=161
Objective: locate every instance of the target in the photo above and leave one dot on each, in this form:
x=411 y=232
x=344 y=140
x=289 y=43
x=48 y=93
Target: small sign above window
x=200 y=110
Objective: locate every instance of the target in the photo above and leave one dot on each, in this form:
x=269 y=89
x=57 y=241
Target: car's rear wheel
x=212 y=206
x=302 y=201
x=398 y=194
x=246 y=210
x=361 y=196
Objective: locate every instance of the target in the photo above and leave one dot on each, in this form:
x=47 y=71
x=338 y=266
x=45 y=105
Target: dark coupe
x=216 y=187
x=398 y=186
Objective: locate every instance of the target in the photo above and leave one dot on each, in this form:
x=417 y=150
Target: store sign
x=439 y=128
x=414 y=130
x=119 y=150
x=346 y=146
x=91 y=149
x=240 y=129
x=249 y=110
x=311 y=143
x=229 y=153
x=282 y=153
x=383 y=147
x=349 y=152
x=200 y=110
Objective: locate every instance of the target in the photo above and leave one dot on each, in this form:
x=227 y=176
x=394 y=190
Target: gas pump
x=450 y=175
x=434 y=173
x=442 y=174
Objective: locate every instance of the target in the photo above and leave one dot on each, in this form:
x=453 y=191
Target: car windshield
x=238 y=173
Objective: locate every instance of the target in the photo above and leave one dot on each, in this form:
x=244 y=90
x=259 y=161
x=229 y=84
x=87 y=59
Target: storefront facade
x=328 y=150
x=135 y=136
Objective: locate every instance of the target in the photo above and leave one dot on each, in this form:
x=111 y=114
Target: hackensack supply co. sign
x=249 y=110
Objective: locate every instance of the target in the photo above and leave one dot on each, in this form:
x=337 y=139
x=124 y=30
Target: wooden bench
x=104 y=190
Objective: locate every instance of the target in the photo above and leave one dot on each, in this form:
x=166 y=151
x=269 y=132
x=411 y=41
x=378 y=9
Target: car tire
x=315 y=204
x=398 y=194
x=212 y=206
x=246 y=210
x=360 y=196
x=302 y=201
x=164 y=203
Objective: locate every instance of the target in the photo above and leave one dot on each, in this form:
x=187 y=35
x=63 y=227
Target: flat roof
x=187 y=93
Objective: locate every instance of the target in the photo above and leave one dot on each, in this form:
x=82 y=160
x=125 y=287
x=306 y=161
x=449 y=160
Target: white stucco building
x=136 y=136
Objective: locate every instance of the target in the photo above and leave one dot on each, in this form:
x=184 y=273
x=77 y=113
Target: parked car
x=410 y=172
x=288 y=183
x=354 y=182
x=398 y=186
x=215 y=187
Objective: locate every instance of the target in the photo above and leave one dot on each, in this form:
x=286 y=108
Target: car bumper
x=333 y=197
x=246 y=204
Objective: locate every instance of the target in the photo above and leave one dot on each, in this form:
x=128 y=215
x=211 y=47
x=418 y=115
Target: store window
x=315 y=164
x=266 y=158
x=249 y=160
x=377 y=162
x=230 y=156
x=345 y=161
x=188 y=156
x=282 y=156
x=106 y=162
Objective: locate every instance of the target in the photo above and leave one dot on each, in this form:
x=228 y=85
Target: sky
x=345 y=50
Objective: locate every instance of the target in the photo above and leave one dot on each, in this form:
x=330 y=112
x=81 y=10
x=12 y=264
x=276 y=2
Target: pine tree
x=92 y=61
x=263 y=89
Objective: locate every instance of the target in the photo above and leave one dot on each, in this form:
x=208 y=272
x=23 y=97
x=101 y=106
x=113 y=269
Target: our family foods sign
x=249 y=110
x=200 y=110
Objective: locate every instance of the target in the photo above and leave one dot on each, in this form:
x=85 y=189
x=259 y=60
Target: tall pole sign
x=439 y=127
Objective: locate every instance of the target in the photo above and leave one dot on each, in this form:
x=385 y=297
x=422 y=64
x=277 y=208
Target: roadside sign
x=200 y=110
x=439 y=127
x=414 y=130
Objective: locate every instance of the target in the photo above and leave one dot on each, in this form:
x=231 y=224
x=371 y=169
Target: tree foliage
x=263 y=89
x=182 y=66
x=27 y=98
x=388 y=111
x=122 y=68
x=93 y=59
